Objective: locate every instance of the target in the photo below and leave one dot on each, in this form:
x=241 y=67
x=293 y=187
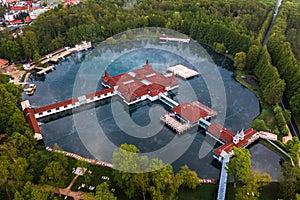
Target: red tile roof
x=189 y=112
x=139 y=82
x=3 y=62
x=31 y=120
x=55 y=105
x=98 y=93
x=227 y=136
x=71 y=101
x=220 y=131
x=19 y=8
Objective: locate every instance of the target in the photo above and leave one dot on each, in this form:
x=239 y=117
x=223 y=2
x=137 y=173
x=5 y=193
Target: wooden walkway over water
x=165 y=38
x=45 y=70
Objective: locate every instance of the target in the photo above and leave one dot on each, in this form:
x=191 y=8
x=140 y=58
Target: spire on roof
x=106 y=73
x=147 y=62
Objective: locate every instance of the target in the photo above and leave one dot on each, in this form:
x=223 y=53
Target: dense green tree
x=103 y=192
x=250 y=190
x=32 y=192
x=142 y=179
x=20 y=145
x=37 y=163
x=3 y=78
x=240 y=60
x=293 y=147
x=17 y=123
x=36 y=59
x=259 y=124
x=7 y=105
x=30 y=43
x=239 y=166
x=274 y=91
x=54 y=174
x=219 y=47
x=272 y=86
x=150 y=177
x=15 y=90
x=287 y=116
x=5 y=173
x=164 y=185
x=295 y=104
x=187 y=177
x=125 y=161
x=252 y=56
x=13 y=50
x=289 y=182
x=19 y=171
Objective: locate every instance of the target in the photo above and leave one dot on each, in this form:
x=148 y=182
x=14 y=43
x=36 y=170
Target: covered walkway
x=223 y=178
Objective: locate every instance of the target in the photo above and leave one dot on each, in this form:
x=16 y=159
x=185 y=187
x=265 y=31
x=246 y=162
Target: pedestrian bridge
x=167 y=100
x=223 y=178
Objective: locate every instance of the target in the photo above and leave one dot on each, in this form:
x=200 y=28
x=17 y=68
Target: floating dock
x=183 y=71
x=84 y=45
x=178 y=126
x=63 y=52
x=59 y=56
x=30 y=90
x=164 y=38
x=45 y=70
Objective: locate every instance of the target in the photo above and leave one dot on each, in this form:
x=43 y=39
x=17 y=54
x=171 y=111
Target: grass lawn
x=204 y=191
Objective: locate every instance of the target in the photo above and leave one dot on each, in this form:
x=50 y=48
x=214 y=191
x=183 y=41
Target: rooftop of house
x=3 y=62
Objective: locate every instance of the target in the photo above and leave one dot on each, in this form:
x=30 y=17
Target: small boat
x=30 y=90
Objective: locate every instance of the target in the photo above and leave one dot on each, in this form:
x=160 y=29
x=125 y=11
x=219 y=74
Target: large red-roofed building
x=230 y=139
x=192 y=112
x=140 y=84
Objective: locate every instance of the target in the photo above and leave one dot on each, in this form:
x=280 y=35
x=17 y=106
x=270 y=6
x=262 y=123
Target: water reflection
x=99 y=132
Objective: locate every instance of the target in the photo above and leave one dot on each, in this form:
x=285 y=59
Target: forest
x=234 y=27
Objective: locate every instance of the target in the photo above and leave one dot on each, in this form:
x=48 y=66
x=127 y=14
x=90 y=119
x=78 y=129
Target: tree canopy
x=137 y=175
x=239 y=166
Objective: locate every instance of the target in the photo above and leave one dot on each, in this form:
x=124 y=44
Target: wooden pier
x=164 y=38
x=63 y=52
x=183 y=71
x=178 y=126
x=59 y=56
x=45 y=70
